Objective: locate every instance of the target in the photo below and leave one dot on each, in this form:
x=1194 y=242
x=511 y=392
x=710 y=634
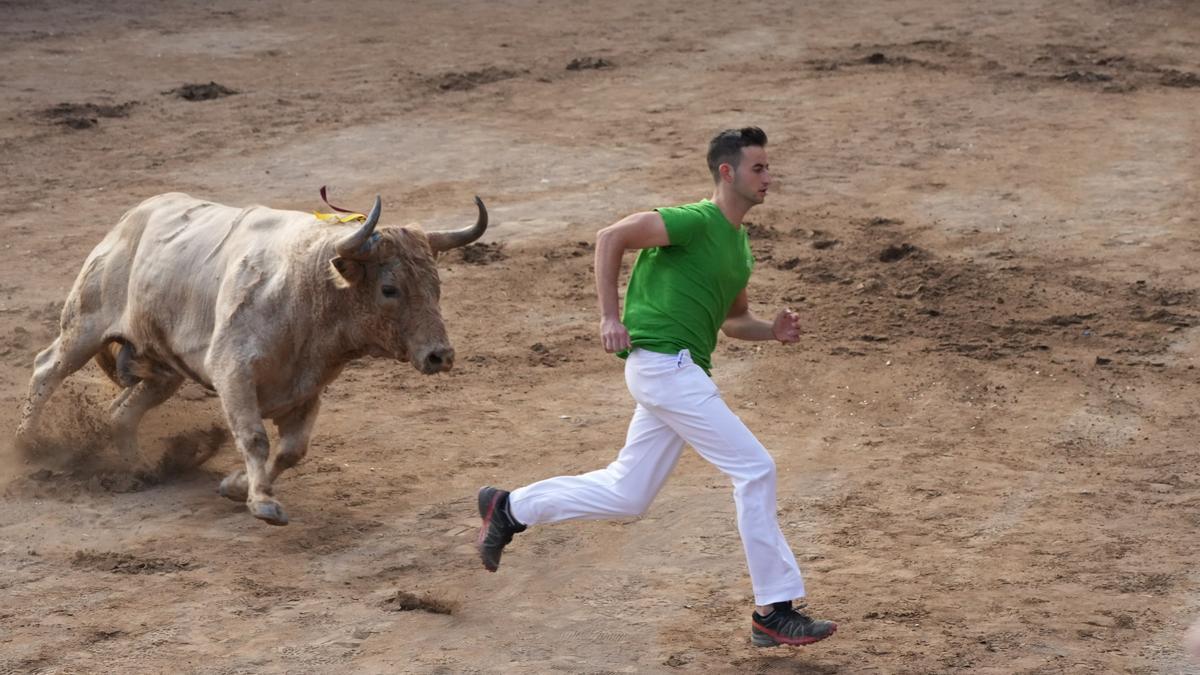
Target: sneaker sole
x=486 y=510
x=764 y=639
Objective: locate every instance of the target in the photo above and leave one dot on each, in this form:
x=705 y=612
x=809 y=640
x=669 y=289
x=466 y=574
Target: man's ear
x=726 y=172
x=348 y=272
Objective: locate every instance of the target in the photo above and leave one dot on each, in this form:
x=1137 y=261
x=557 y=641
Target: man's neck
x=733 y=206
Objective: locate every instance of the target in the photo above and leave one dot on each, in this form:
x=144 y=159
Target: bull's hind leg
x=128 y=412
x=69 y=352
x=295 y=430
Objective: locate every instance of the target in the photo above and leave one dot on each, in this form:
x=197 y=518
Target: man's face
x=752 y=176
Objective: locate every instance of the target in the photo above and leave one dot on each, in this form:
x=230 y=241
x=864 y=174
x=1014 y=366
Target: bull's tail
x=117 y=358
x=107 y=360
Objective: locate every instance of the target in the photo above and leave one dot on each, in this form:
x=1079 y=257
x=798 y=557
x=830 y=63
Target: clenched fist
x=786 y=328
x=613 y=335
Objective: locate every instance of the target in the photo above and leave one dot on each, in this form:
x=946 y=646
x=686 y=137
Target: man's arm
x=638 y=231
x=740 y=323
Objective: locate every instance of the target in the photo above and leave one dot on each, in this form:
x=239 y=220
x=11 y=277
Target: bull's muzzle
x=436 y=360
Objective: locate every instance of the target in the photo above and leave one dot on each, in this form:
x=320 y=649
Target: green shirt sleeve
x=682 y=223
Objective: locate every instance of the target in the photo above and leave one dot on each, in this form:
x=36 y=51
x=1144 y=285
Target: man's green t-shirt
x=679 y=295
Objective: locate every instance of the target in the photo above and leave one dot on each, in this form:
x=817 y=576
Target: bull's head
x=394 y=281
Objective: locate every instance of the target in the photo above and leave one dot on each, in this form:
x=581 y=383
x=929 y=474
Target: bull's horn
x=448 y=239
x=356 y=245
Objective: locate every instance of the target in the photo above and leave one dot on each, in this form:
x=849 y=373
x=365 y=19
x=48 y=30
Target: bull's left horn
x=357 y=245
x=448 y=239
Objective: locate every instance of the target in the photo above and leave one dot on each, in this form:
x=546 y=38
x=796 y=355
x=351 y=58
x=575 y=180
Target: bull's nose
x=439 y=360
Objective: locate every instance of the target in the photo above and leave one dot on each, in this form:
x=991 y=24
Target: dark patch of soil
x=1165 y=317
x=89 y=109
x=80 y=122
x=882 y=59
x=1157 y=583
x=540 y=355
x=677 y=661
x=1166 y=297
x=894 y=252
x=580 y=249
x=873 y=59
x=483 y=254
x=880 y=221
x=1178 y=78
x=258 y=589
x=85 y=115
x=589 y=63
x=756 y=231
x=404 y=601
x=467 y=80
x=201 y=92
x=124 y=563
x=1084 y=76
x=102 y=634
x=1069 y=319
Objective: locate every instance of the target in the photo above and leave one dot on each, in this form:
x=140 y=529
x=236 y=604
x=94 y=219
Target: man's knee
x=634 y=506
x=638 y=508
x=759 y=469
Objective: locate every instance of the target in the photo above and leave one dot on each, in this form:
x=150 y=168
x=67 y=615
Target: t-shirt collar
x=721 y=214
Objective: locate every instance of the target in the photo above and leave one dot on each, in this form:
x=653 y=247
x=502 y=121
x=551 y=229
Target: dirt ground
x=986 y=213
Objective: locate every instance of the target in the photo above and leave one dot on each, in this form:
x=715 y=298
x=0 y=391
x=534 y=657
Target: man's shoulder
x=704 y=206
x=700 y=212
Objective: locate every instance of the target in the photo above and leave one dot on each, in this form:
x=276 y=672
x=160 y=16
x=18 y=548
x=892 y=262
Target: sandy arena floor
x=986 y=214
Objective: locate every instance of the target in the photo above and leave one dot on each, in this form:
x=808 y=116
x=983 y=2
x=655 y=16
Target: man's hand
x=786 y=328
x=613 y=335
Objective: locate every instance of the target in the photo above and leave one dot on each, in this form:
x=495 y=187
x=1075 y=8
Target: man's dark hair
x=726 y=147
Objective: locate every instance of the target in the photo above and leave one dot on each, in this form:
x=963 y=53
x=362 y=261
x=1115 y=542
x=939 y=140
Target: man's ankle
x=766 y=610
x=506 y=511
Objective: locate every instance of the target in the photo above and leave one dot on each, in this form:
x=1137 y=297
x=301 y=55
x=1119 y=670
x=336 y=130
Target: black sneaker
x=786 y=626
x=498 y=526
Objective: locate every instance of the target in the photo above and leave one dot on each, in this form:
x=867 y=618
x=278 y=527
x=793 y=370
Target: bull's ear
x=347 y=272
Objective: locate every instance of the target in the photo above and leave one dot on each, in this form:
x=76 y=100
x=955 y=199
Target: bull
x=263 y=306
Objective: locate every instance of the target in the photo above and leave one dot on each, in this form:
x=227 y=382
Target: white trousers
x=677 y=403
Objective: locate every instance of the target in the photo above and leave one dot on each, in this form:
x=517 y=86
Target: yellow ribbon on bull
x=336 y=218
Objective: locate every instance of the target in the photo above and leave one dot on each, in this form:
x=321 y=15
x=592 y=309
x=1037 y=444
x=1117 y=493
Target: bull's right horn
x=357 y=245
x=448 y=239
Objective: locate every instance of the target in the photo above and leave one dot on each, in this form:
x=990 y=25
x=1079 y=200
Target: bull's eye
x=390 y=291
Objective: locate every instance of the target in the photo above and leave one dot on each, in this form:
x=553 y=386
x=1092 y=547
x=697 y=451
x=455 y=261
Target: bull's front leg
x=295 y=430
x=239 y=399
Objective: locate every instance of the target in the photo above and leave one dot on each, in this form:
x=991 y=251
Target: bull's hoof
x=235 y=486
x=25 y=443
x=145 y=472
x=268 y=510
